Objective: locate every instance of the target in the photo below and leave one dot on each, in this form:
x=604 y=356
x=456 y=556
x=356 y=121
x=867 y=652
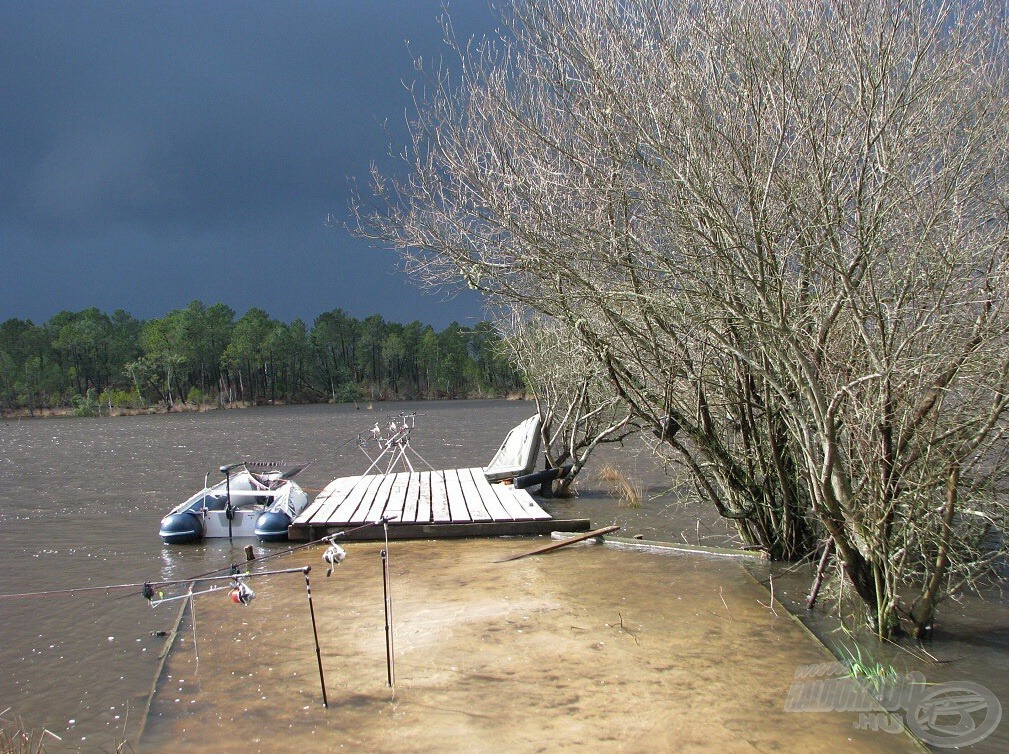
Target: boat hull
x=271 y=526
x=181 y=528
x=243 y=506
x=243 y=524
x=184 y=528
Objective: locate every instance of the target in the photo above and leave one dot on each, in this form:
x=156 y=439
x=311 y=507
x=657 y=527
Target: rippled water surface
x=80 y=502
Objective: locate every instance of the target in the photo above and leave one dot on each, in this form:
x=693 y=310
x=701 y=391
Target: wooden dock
x=425 y=505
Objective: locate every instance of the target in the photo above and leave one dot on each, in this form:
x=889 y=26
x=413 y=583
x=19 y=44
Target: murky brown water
x=580 y=650
x=80 y=500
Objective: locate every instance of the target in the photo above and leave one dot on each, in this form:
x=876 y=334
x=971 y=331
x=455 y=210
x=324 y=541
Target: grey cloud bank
x=156 y=153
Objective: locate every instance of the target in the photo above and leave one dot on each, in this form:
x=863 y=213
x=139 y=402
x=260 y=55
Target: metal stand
x=315 y=634
x=387 y=592
x=396 y=445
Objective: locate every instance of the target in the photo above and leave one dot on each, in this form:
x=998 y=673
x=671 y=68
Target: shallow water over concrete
x=80 y=501
x=581 y=649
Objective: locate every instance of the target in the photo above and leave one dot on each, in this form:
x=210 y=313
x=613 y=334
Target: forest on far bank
x=90 y=361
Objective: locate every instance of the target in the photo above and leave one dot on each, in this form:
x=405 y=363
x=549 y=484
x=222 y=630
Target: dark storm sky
x=153 y=153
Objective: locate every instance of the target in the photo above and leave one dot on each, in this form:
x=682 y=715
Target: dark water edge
x=80 y=500
x=970 y=642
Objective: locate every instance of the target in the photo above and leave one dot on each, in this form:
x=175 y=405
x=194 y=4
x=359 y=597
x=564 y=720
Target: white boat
x=255 y=499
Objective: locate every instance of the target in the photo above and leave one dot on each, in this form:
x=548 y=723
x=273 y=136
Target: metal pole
x=392 y=630
x=192 y=611
x=229 y=512
x=385 y=592
x=315 y=633
x=390 y=660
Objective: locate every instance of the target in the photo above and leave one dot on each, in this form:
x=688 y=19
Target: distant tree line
x=91 y=361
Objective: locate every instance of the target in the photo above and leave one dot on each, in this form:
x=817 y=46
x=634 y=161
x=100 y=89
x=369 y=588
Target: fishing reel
x=240 y=593
x=333 y=556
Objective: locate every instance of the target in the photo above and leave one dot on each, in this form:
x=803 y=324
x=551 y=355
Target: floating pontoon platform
x=471 y=502
x=426 y=505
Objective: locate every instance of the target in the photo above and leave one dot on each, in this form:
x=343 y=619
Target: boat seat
x=517 y=454
x=211 y=503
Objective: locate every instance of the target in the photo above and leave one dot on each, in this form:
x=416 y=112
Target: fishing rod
x=390 y=652
x=135 y=585
x=241 y=594
x=204 y=579
x=397 y=443
x=296 y=548
x=232 y=568
x=357 y=437
x=73 y=590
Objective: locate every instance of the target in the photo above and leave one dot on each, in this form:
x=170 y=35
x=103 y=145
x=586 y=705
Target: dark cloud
x=156 y=153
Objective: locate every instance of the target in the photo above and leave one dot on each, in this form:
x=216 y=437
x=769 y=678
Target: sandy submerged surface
x=582 y=649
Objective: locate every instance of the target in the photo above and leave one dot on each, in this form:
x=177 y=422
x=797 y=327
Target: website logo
x=944 y=715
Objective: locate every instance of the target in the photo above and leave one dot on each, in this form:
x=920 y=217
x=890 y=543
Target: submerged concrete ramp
x=588 y=651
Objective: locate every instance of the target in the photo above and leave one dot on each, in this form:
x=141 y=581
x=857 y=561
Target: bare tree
x=779 y=229
x=575 y=400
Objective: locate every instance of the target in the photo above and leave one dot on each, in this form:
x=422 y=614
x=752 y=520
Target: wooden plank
x=358 y=502
x=411 y=499
x=320 y=500
x=529 y=507
x=332 y=498
x=311 y=509
x=374 y=496
x=424 y=513
x=457 y=509
x=519 y=504
x=446 y=530
x=503 y=493
x=489 y=495
x=374 y=505
x=345 y=507
x=397 y=496
x=563 y=543
x=439 y=498
x=511 y=502
x=475 y=502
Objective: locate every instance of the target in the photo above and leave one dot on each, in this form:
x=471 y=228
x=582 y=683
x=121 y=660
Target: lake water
x=80 y=502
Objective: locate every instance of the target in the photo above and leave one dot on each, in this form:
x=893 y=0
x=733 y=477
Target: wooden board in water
x=563 y=543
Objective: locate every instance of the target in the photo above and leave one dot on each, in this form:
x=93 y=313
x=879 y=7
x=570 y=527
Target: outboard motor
x=179 y=528
x=271 y=526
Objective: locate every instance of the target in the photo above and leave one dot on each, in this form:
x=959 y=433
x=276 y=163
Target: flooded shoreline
x=80 y=501
x=584 y=649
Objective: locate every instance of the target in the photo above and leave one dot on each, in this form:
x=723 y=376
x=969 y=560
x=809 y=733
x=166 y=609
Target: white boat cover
x=517 y=454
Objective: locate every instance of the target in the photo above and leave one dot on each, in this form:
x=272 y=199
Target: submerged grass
x=866 y=669
x=16 y=739
x=629 y=494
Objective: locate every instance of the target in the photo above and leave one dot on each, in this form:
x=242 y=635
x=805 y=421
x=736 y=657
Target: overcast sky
x=153 y=153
